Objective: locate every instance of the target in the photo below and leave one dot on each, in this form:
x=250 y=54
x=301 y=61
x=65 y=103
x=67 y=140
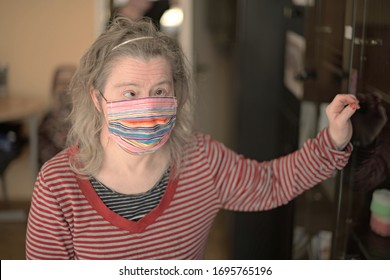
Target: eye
x=129 y=94
x=161 y=92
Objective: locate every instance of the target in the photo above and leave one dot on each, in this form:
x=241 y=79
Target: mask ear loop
x=106 y=103
x=102 y=95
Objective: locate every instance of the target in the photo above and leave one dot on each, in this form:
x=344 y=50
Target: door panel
x=369 y=166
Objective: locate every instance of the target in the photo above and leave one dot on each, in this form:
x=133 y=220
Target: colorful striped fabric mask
x=142 y=125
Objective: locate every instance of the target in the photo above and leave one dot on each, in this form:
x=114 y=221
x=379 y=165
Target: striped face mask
x=142 y=125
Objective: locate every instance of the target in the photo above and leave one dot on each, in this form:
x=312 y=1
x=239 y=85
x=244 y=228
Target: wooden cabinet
x=369 y=166
x=348 y=49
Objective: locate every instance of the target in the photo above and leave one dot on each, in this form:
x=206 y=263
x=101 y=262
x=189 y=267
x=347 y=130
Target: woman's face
x=133 y=78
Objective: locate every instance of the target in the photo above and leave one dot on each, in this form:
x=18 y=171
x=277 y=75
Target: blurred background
x=264 y=70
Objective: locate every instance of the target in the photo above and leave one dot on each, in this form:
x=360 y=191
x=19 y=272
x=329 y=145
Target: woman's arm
x=248 y=185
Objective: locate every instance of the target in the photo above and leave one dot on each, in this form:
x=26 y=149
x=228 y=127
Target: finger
x=341 y=100
x=339 y=104
x=347 y=112
x=346 y=99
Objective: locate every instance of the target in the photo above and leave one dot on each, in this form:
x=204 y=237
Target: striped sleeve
x=248 y=185
x=48 y=233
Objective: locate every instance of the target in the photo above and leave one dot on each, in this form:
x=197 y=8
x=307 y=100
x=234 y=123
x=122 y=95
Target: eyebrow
x=125 y=84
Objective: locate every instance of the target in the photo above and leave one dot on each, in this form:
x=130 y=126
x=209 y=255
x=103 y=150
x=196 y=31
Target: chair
x=11 y=142
x=53 y=129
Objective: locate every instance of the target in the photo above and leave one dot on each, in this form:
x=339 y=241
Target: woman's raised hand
x=339 y=113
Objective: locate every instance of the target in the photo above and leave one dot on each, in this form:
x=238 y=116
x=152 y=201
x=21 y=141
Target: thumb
x=347 y=112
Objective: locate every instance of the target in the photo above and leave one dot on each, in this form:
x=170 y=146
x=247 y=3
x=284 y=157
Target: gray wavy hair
x=92 y=73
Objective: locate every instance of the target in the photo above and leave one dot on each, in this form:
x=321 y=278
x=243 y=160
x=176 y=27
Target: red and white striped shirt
x=68 y=220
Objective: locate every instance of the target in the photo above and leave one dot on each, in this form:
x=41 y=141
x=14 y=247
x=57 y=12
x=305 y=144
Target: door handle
x=368 y=42
x=306 y=75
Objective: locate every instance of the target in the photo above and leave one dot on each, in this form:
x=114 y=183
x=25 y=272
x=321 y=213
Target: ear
x=94 y=96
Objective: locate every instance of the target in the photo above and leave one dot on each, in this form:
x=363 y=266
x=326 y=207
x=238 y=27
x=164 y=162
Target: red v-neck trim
x=119 y=221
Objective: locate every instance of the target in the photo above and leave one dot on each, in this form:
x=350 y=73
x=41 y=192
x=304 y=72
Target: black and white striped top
x=131 y=206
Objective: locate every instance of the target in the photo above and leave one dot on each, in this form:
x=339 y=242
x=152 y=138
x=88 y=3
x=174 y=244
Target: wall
x=38 y=35
x=35 y=37
x=213 y=70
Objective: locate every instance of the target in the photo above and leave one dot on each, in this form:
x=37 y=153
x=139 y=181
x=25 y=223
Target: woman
x=136 y=182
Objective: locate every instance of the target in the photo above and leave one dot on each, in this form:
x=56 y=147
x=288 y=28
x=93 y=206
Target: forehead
x=132 y=69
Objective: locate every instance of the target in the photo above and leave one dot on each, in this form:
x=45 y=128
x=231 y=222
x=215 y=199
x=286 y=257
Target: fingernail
x=354 y=106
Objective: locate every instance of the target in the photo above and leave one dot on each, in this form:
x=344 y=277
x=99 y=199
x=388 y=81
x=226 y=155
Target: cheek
x=103 y=110
x=104 y=122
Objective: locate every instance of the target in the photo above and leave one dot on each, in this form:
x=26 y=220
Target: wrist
x=336 y=143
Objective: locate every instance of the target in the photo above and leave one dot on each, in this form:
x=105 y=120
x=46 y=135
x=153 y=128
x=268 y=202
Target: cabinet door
x=327 y=65
x=371 y=44
x=325 y=74
x=369 y=166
